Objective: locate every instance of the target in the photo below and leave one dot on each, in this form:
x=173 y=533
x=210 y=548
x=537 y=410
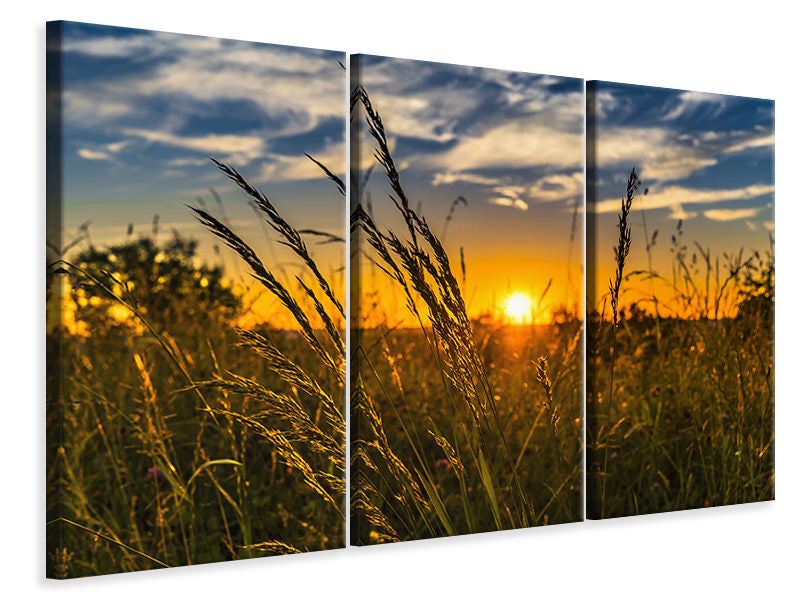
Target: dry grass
x=680 y=398
x=176 y=438
x=453 y=460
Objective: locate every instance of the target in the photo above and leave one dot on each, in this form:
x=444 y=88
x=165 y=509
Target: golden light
x=519 y=308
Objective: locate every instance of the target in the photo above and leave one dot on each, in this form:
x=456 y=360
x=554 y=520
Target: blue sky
x=518 y=136
x=706 y=159
x=144 y=110
x=511 y=143
x=704 y=156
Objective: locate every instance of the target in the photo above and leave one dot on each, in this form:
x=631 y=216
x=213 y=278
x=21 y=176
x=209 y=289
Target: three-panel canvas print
x=508 y=300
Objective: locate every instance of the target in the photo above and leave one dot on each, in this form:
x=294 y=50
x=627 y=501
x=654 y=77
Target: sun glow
x=519 y=308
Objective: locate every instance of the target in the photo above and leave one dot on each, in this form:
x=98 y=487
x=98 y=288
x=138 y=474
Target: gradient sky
x=511 y=144
x=143 y=111
x=707 y=159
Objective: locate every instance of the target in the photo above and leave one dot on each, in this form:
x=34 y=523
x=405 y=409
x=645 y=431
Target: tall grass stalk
x=399 y=494
x=621 y=251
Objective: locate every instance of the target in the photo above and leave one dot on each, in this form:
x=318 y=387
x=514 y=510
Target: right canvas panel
x=680 y=300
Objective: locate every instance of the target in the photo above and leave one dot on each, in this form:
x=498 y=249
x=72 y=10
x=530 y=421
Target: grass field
x=174 y=437
x=460 y=424
x=177 y=437
x=681 y=400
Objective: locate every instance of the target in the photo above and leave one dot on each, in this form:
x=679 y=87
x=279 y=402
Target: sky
x=707 y=161
x=143 y=111
x=510 y=143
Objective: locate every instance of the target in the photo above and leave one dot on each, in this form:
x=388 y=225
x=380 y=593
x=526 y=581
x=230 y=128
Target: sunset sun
x=519 y=308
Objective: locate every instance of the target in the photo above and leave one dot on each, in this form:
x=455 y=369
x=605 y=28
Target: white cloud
x=663 y=155
x=556 y=187
x=447 y=178
x=679 y=214
x=691 y=102
x=236 y=149
x=549 y=188
x=509 y=195
x=494 y=118
x=515 y=144
x=730 y=214
x=606 y=102
x=676 y=196
x=104 y=151
x=118 y=146
x=298 y=168
x=93 y=154
x=510 y=202
x=657 y=151
x=298 y=100
x=417 y=116
x=295 y=87
x=189 y=162
x=513 y=191
x=85 y=107
x=754 y=142
x=144 y=44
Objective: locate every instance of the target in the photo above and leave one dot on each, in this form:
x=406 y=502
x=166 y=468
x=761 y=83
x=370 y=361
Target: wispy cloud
x=679 y=213
x=658 y=152
x=144 y=44
x=299 y=168
x=515 y=144
x=236 y=149
x=103 y=151
x=93 y=154
x=477 y=126
x=767 y=140
x=87 y=107
x=510 y=202
x=509 y=195
x=701 y=156
x=447 y=178
x=676 y=196
x=730 y=214
x=606 y=102
x=290 y=91
x=689 y=103
x=188 y=162
x=663 y=154
x=552 y=188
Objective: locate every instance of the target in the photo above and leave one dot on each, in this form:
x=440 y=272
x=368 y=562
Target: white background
x=736 y=48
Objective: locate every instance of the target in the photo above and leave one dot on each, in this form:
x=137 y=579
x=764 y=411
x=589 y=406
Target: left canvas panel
x=195 y=292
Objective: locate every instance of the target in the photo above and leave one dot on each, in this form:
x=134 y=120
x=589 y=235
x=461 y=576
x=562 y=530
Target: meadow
x=177 y=436
x=174 y=436
x=680 y=374
x=460 y=423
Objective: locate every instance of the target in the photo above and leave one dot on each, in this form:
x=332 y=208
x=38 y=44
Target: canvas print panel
x=681 y=300
x=466 y=291
x=195 y=300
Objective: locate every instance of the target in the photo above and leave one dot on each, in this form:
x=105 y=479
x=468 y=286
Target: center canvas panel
x=467 y=299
